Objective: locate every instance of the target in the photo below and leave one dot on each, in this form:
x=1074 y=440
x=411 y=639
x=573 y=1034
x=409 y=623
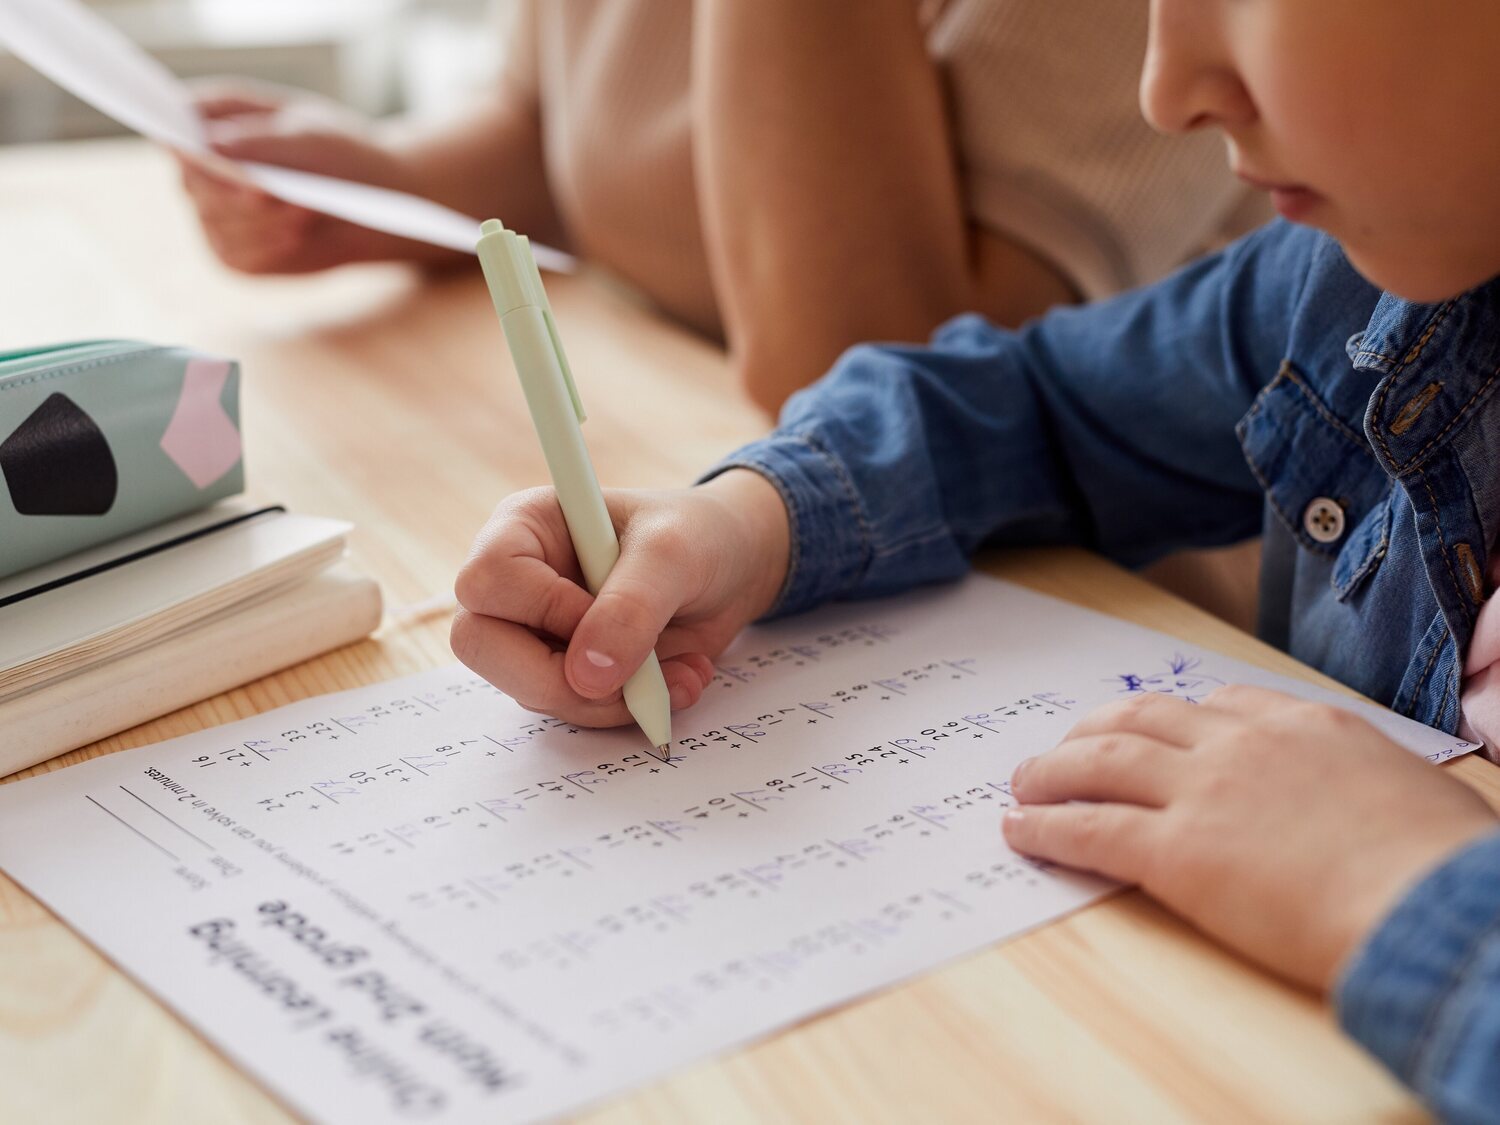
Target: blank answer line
x=132 y=827
x=169 y=820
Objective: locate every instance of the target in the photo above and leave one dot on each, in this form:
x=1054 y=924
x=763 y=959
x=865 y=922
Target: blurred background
x=379 y=56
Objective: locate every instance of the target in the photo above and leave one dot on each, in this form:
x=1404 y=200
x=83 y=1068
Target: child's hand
x=1284 y=828
x=255 y=232
x=695 y=567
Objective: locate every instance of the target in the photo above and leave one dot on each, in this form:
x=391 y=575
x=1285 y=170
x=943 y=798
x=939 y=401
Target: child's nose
x=1189 y=80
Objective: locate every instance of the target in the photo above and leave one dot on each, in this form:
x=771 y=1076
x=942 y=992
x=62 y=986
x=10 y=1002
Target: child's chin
x=1423 y=280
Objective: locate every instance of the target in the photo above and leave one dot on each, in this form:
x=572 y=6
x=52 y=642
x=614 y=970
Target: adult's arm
x=829 y=188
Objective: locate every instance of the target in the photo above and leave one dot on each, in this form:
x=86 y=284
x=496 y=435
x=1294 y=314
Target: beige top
x=1052 y=147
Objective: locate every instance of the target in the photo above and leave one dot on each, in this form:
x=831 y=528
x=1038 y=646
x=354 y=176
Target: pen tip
x=662 y=750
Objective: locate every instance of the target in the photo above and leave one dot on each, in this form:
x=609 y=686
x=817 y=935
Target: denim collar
x=1439 y=366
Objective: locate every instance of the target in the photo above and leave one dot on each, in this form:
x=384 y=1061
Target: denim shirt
x=1267 y=390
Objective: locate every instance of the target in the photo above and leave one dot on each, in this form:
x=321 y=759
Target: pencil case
x=102 y=438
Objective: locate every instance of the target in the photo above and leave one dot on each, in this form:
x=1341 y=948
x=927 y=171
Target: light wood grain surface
x=377 y=396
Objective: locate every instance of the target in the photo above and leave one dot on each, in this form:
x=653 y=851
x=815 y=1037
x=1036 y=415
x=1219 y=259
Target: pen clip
x=539 y=294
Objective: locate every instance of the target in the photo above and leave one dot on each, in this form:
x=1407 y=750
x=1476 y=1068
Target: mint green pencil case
x=102 y=438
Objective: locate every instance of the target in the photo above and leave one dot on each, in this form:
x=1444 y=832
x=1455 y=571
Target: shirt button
x=1323 y=519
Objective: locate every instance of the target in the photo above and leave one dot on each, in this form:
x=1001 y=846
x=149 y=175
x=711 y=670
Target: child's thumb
x=620 y=628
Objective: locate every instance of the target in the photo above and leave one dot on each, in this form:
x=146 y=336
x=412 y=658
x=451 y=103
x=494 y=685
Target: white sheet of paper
x=91 y=58
x=418 y=901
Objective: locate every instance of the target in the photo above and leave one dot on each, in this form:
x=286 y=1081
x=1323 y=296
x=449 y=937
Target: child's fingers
x=687 y=673
x=521 y=588
x=1128 y=768
x=687 y=676
x=1248 y=702
x=1162 y=717
x=1113 y=840
x=698 y=662
x=527 y=669
x=638 y=599
x=522 y=568
x=528 y=524
x=530 y=671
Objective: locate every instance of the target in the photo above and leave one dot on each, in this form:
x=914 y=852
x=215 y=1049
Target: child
x=790 y=177
x=1273 y=387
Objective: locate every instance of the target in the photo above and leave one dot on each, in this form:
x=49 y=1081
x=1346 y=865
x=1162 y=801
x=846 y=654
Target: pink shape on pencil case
x=201 y=439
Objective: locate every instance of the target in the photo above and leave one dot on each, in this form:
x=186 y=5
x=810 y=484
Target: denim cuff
x=1412 y=992
x=831 y=541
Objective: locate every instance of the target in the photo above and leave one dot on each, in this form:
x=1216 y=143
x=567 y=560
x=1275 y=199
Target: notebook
x=111 y=637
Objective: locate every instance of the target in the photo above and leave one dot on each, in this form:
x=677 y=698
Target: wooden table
x=374 y=396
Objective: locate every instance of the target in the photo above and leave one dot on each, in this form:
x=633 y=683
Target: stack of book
x=113 y=636
x=132 y=582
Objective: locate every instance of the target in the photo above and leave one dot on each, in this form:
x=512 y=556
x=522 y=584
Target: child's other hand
x=695 y=567
x=255 y=232
x=1286 y=829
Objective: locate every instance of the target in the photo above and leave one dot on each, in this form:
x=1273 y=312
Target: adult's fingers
x=1114 y=840
x=257 y=143
x=229 y=205
x=1162 y=717
x=216 y=105
x=264 y=244
x=210 y=188
x=1127 y=768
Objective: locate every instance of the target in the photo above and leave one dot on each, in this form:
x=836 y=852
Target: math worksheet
x=418 y=902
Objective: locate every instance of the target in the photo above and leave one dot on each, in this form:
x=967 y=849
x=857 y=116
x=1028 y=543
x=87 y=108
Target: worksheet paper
x=417 y=901
x=93 y=60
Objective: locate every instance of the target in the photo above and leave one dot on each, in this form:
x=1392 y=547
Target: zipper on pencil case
x=28 y=360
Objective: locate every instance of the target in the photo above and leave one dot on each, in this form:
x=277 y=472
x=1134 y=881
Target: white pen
x=556 y=411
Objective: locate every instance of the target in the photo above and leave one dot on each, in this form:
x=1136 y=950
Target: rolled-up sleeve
x=1109 y=426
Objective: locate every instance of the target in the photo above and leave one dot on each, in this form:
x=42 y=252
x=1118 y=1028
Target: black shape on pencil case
x=58 y=463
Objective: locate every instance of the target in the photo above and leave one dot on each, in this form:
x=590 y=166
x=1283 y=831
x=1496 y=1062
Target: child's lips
x=1292 y=201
